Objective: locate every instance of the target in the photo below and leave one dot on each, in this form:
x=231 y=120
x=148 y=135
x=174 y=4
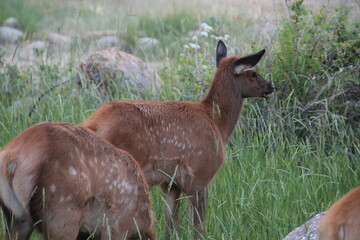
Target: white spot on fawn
x=114 y=183
x=52 y=188
x=72 y=171
x=144 y=208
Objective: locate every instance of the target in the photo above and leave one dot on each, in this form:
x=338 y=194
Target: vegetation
x=290 y=157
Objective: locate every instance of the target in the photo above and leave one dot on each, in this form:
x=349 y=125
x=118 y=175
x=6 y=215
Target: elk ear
x=247 y=62
x=221 y=52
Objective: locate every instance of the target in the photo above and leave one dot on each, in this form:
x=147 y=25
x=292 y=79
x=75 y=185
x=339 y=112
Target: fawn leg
x=197 y=212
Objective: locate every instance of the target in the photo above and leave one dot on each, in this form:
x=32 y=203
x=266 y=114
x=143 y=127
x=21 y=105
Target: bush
x=313 y=47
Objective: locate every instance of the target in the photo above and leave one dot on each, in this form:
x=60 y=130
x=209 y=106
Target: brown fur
x=342 y=221
x=72 y=183
x=180 y=145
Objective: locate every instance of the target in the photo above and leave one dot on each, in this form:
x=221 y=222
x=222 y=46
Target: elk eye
x=254 y=75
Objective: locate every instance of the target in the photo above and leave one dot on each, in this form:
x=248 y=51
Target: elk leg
x=21 y=229
x=172 y=208
x=62 y=223
x=197 y=212
x=6 y=220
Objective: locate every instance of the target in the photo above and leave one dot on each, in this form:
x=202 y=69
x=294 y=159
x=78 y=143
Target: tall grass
x=271 y=182
x=283 y=166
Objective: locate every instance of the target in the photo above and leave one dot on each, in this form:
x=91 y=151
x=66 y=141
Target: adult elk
x=342 y=221
x=180 y=145
x=69 y=183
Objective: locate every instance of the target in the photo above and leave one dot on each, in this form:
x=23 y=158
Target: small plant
x=195 y=65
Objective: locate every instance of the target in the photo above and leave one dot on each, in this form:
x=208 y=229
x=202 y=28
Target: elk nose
x=271 y=87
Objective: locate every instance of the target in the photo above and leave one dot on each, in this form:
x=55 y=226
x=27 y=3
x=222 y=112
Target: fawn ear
x=248 y=62
x=221 y=52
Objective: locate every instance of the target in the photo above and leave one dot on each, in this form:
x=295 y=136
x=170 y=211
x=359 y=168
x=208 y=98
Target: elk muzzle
x=270 y=90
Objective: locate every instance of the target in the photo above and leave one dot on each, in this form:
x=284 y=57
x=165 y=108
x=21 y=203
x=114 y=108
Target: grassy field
x=290 y=156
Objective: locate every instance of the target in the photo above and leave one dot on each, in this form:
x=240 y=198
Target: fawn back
x=69 y=182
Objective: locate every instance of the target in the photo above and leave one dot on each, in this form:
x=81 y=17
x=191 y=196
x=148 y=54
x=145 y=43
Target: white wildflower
x=226 y=37
x=206 y=44
x=206 y=27
x=204 y=67
x=204 y=34
x=219 y=38
x=194 y=38
x=186 y=46
x=194 y=45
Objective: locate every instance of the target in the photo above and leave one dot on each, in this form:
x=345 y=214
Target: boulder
x=37 y=45
x=59 y=41
x=103 y=66
x=147 y=43
x=34 y=50
x=307 y=231
x=10 y=35
x=11 y=22
x=104 y=42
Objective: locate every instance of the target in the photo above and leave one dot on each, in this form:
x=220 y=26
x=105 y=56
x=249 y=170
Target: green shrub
x=310 y=47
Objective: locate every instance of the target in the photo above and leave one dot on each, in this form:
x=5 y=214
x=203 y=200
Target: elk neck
x=223 y=101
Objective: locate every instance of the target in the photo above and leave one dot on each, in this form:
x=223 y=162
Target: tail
x=8 y=198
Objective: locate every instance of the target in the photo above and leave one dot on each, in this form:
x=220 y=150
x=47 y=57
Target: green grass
x=283 y=166
x=34 y=16
x=271 y=182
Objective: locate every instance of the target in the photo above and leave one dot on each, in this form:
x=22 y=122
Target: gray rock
x=37 y=45
x=99 y=34
x=10 y=35
x=147 y=43
x=11 y=22
x=104 y=42
x=34 y=49
x=108 y=65
x=307 y=231
x=59 y=41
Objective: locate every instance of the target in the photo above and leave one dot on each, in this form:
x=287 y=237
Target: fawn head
x=244 y=76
